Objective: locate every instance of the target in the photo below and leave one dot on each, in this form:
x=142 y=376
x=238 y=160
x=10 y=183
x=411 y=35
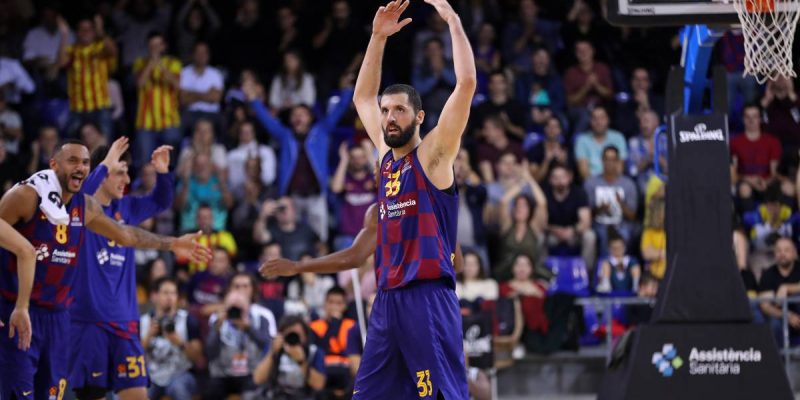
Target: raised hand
x=386 y=19
x=115 y=152
x=279 y=267
x=160 y=159
x=186 y=246
x=20 y=321
x=444 y=9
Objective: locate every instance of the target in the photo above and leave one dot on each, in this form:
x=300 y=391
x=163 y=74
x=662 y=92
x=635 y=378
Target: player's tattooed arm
x=130 y=236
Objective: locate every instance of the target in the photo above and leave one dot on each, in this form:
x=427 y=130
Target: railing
x=605 y=304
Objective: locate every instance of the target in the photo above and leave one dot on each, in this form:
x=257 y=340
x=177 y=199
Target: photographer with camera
x=294 y=368
x=240 y=334
x=171 y=339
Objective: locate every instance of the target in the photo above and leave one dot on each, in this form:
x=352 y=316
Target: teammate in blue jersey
x=105 y=320
x=414 y=344
x=41 y=371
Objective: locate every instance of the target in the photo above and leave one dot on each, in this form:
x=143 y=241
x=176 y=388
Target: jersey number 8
x=61 y=234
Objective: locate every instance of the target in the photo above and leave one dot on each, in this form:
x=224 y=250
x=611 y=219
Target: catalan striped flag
x=87 y=77
x=158 y=100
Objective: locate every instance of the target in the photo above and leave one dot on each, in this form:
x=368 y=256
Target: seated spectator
x=550 y=151
x=613 y=199
x=278 y=222
x=11 y=169
x=434 y=79
x=487 y=56
x=588 y=84
x=171 y=341
x=10 y=127
x=240 y=334
x=569 y=217
x=630 y=109
x=294 y=367
x=164 y=223
x=654 y=236
x=330 y=334
x=207 y=287
x=435 y=29
x=14 y=80
x=768 y=222
x=354 y=184
x=91 y=136
x=201 y=88
x=780 y=281
x=531 y=294
x=310 y=290
x=198 y=186
x=522 y=222
x=211 y=237
x=528 y=32
x=293 y=85
x=512 y=112
x=147 y=276
x=244 y=215
x=639 y=314
x=236 y=95
x=88 y=63
x=642 y=149
x=472 y=284
x=589 y=145
x=494 y=144
x=755 y=154
x=271 y=289
x=204 y=142
x=41 y=45
x=248 y=147
x=43 y=149
x=158 y=117
x=195 y=21
x=541 y=82
x=619 y=272
x=782 y=113
x=472 y=199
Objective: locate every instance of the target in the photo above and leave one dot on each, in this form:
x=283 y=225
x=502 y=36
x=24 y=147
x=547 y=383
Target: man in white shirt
x=14 y=80
x=249 y=148
x=201 y=88
x=40 y=48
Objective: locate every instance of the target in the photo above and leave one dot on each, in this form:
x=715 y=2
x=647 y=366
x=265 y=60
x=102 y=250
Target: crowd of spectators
x=271 y=161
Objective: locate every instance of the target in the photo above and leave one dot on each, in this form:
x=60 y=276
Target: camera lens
x=292 y=339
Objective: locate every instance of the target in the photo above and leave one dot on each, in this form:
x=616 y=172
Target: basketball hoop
x=768 y=28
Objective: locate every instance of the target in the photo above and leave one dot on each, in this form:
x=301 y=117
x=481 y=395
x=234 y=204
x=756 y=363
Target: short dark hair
x=413 y=95
x=156 y=286
x=155 y=33
x=64 y=142
x=290 y=320
x=611 y=149
x=100 y=153
x=335 y=291
x=752 y=105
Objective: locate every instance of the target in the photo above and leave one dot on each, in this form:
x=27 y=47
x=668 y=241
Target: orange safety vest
x=334 y=349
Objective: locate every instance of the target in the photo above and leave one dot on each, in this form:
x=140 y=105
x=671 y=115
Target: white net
x=768 y=28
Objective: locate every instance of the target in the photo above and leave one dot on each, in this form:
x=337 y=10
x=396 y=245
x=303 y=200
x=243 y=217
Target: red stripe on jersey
x=429 y=269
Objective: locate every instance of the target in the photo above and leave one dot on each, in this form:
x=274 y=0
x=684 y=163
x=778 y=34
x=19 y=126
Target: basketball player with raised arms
x=414 y=345
x=41 y=371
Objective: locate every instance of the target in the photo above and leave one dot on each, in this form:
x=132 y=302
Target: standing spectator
x=339 y=46
x=541 y=82
x=158 y=118
x=587 y=84
x=171 y=340
x=293 y=85
x=487 y=56
x=780 y=281
x=589 y=146
x=521 y=37
x=88 y=62
x=354 y=183
x=249 y=148
x=294 y=367
x=304 y=155
x=782 y=113
x=196 y=21
x=755 y=154
x=642 y=149
x=242 y=42
x=494 y=144
x=240 y=334
x=200 y=88
x=613 y=199
x=40 y=49
x=435 y=79
x=10 y=127
x=654 y=236
x=295 y=238
x=134 y=22
x=522 y=223
x=550 y=151
x=200 y=185
x=640 y=100
x=330 y=333
x=569 y=224
x=14 y=80
x=511 y=112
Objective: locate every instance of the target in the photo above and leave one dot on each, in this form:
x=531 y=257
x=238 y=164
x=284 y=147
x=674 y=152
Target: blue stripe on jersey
x=57 y=250
x=105 y=286
x=416 y=225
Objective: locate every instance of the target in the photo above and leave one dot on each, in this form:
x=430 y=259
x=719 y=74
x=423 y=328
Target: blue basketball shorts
x=99 y=358
x=40 y=373
x=414 y=346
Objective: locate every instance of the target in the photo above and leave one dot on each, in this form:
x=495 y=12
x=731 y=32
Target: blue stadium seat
x=570 y=276
x=591 y=325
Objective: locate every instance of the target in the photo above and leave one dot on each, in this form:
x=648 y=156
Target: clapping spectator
x=354 y=183
x=549 y=152
x=587 y=84
x=782 y=113
x=541 y=83
x=200 y=87
x=278 y=222
x=530 y=31
x=494 y=144
x=487 y=56
x=201 y=185
x=499 y=102
x=631 y=109
x=135 y=21
x=249 y=148
x=589 y=146
x=434 y=78
x=613 y=199
x=755 y=154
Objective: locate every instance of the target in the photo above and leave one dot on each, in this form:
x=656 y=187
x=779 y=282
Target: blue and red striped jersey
x=416 y=225
x=57 y=248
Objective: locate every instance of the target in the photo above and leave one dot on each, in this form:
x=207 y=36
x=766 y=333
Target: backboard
x=670 y=12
